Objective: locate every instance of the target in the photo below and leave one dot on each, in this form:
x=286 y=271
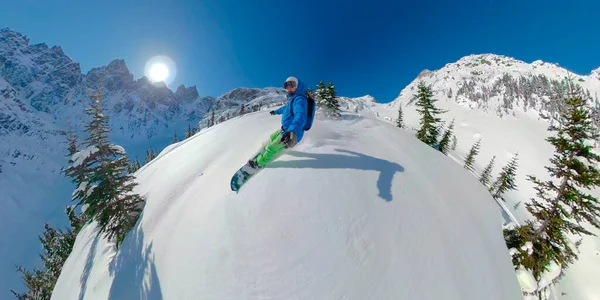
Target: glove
x=272 y=112
x=286 y=138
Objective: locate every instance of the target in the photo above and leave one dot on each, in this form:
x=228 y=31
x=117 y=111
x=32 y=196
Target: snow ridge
x=384 y=217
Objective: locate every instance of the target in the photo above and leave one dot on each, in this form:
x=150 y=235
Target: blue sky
x=364 y=47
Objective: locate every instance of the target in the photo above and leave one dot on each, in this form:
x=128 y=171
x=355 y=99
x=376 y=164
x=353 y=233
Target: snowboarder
x=297 y=117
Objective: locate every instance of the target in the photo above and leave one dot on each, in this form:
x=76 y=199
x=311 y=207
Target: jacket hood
x=301 y=90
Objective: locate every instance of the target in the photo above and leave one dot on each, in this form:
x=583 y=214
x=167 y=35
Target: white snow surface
x=79 y=157
x=359 y=209
x=523 y=133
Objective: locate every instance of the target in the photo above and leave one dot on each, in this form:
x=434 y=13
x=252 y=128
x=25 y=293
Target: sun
x=160 y=68
x=159 y=72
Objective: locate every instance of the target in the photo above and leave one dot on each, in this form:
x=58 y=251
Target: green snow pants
x=273 y=148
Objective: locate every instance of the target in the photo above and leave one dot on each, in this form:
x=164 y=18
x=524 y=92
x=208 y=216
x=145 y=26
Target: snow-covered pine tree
x=470 y=160
x=331 y=103
x=487 y=172
x=563 y=205
x=131 y=168
x=150 y=155
x=310 y=92
x=454 y=142
x=57 y=246
x=77 y=169
x=36 y=282
x=444 y=144
x=175 y=139
x=77 y=221
x=242 y=111
x=321 y=94
x=506 y=179
x=107 y=189
x=400 y=119
x=212 y=119
x=429 y=131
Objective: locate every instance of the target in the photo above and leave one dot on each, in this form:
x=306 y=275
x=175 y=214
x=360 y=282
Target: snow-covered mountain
x=507 y=104
x=41 y=90
x=357 y=104
x=504 y=85
x=359 y=209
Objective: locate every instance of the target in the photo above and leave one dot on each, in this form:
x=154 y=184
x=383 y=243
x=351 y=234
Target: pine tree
x=331 y=103
x=445 y=141
x=150 y=155
x=454 y=142
x=72 y=140
x=175 y=139
x=37 y=284
x=506 y=179
x=212 y=119
x=77 y=169
x=565 y=206
x=400 y=119
x=77 y=221
x=105 y=190
x=57 y=246
x=487 y=172
x=242 y=110
x=470 y=160
x=138 y=164
x=188 y=132
x=428 y=133
x=321 y=95
x=310 y=92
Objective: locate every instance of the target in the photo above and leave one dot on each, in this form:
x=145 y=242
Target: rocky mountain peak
x=186 y=94
x=9 y=36
x=114 y=76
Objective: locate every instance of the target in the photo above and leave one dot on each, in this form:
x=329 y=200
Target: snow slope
x=41 y=89
x=358 y=210
x=520 y=131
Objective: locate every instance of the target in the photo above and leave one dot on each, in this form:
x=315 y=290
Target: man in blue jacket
x=295 y=120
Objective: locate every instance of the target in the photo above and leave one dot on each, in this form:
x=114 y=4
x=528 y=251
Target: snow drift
x=359 y=209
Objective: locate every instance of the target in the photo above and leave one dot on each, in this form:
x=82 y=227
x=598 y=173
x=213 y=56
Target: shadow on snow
x=356 y=160
x=133 y=270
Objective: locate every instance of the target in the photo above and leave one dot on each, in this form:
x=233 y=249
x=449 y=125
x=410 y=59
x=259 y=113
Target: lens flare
x=160 y=69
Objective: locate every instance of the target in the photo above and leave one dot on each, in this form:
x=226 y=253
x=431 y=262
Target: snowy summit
x=360 y=209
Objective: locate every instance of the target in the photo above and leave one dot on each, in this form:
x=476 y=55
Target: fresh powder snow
x=521 y=131
x=359 y=209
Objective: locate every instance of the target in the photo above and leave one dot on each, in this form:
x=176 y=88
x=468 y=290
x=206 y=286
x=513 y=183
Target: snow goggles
x=289 y=84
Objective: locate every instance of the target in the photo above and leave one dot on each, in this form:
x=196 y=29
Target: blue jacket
x=297 y=101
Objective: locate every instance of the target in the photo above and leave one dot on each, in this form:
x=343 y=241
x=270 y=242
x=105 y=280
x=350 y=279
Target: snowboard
x=242 y=175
